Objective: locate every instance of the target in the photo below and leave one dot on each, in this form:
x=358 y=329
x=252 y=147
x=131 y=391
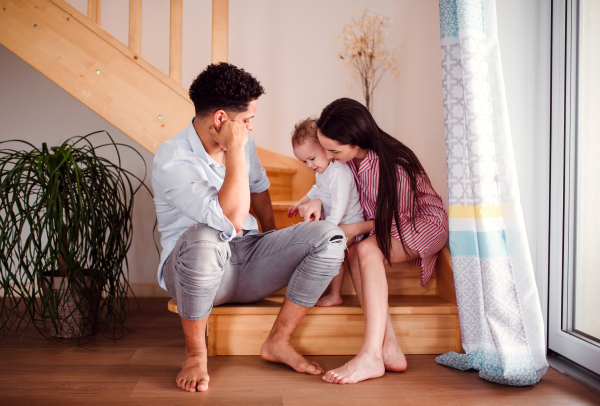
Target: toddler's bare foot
x=330 y=300
x=194 y=374
x=393 y=357
x=282 y=351
x=360 y=368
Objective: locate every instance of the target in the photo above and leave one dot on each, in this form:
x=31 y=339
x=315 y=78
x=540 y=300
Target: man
x=205 y=180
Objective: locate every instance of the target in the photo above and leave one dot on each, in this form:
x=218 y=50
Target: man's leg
x=277 y=347
x=194 y=371
x=193 y=274
x=304 y=257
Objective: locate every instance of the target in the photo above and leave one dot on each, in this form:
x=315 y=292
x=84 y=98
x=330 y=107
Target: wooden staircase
x=114 y=80
x=425 y=318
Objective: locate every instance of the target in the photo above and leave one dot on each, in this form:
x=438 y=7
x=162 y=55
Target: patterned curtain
x=500 y=316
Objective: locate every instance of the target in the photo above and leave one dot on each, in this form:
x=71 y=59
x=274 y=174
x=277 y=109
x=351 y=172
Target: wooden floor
x=140 y=369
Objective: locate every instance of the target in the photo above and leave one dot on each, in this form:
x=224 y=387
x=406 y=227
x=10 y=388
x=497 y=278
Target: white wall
x=34 y=109
x=289 y=47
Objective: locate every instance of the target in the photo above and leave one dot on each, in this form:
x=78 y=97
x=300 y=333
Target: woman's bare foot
x=282 y=351
x=393 y=357
x=194 y=374
x=360 y=368
x=330 y=300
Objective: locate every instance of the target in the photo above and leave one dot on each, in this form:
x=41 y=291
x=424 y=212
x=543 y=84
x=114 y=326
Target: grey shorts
x=203 y=271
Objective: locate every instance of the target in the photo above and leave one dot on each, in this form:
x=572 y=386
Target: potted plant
x=65 y=229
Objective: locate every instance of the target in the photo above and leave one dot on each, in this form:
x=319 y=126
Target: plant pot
x=75 y=309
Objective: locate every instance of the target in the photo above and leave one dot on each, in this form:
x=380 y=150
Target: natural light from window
x=587 y=260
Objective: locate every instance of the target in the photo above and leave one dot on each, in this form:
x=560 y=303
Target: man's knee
x=331 y=242
x=203 y=254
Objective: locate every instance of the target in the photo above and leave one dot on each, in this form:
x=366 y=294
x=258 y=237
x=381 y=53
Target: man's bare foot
x=283 y=352
x=393 y=357
x=330 y=300
x=194 y=374
x=360 y=368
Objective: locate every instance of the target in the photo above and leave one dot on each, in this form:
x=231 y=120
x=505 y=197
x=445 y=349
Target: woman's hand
x=311 y=211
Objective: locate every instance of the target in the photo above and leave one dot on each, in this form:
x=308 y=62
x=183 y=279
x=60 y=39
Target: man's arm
x=262 y=207
x=234 y=195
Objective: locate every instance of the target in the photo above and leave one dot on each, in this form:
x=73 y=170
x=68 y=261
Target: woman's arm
x=355 y=229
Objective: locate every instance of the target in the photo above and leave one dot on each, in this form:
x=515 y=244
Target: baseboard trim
x=148 y=290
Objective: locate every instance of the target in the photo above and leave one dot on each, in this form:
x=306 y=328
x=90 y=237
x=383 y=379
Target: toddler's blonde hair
x=305 y=130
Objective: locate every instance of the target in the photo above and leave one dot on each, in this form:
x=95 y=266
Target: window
x=574 y=312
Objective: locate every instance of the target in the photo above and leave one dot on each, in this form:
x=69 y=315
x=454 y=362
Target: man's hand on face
x=231 y=134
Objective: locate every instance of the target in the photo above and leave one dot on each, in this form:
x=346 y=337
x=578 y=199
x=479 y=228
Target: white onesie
x=336 y=189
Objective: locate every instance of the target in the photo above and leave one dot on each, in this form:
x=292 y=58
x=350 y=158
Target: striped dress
x=431 y=224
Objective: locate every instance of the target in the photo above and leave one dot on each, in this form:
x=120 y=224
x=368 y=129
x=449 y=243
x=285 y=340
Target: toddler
x=335 y=187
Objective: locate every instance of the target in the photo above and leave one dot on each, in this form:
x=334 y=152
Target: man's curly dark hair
x=224 y=87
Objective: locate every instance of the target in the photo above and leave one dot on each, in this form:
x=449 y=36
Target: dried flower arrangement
x=364 y=54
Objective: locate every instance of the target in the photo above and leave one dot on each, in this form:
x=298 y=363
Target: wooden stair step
x=280 y=208
x=424 y=324
x=423 y=304
x=281 y=182
x=398 y=305
x=282 y=205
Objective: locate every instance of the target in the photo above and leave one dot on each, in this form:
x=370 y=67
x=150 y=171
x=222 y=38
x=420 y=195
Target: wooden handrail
x=135 y=26
x=220 y=30
x=175 y=40
x=93 y=11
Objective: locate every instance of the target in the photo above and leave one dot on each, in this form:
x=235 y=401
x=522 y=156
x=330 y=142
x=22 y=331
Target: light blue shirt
x=186 y=183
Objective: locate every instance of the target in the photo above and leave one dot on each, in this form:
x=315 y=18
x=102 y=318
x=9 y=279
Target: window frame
x=566 y=21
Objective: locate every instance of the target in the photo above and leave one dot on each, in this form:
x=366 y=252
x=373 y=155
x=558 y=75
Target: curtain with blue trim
x=500 y=316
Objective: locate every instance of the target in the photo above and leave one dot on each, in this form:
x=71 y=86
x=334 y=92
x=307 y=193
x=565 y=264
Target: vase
x=75 y=309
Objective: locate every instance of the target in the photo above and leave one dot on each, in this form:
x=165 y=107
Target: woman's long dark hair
x=350 y=123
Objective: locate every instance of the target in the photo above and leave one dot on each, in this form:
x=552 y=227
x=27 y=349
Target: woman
x=394 y=189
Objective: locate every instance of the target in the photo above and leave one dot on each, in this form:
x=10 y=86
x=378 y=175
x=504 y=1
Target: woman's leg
x=380 y=349
x=393 y=357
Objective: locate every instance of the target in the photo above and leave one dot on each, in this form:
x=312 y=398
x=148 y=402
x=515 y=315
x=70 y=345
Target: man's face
x=245 y=117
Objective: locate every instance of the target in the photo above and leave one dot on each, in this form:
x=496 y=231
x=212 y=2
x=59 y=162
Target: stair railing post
x=135 y=26
x=175 y=40
x=220 y=30
x=94 y=10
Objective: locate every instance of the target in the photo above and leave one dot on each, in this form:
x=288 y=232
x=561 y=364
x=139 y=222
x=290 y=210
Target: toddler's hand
x=293 y=210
